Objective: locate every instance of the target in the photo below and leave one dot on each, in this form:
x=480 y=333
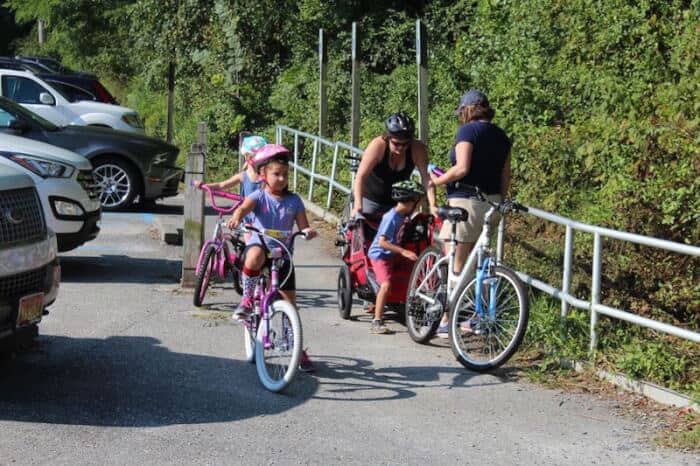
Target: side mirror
x=20 y=126
x=47 y=99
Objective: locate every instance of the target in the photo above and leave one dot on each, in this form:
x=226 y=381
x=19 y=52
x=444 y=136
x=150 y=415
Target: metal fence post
x=313 y=169
x=355 y=102
x=330 y=185
x=193 y=231
x=296 y=159
x=566 y=279
x=422 y=62
x=322 y=78
x=595 y=289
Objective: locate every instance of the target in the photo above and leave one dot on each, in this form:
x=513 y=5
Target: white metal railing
x=594 y=304
x=563 y=294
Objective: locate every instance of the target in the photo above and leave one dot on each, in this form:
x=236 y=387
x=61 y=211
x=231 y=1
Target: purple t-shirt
x=270 y=213
x=389 y=228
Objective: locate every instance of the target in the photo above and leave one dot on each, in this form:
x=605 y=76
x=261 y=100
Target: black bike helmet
x=400 y=125
x=407 y=190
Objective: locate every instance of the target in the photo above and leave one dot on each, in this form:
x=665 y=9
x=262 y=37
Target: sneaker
x=471 y=326
x=305 y=364
x=443 y=331
x=378 y=327
x=244 y=310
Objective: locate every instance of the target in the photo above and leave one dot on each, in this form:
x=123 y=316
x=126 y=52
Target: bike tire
x=249 y=344
x=204 y=274
x=482 y=343
x=344 y=292
x=237 y=280
x=420 y=328
x=277 y=371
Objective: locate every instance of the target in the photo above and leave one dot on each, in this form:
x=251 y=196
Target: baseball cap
x=472 y=97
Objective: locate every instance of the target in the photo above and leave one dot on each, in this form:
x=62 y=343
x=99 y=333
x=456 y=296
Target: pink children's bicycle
x=221 y=254
x=272 y=334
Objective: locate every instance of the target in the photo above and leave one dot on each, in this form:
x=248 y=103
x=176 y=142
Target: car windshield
x=12 y=108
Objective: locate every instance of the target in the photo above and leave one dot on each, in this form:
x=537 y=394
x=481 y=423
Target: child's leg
x=254 y=261
x=381 y=300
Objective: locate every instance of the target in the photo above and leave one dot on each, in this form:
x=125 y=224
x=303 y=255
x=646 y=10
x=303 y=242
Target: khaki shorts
x=469 y=231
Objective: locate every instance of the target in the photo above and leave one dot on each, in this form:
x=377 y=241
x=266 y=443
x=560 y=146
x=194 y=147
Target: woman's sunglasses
x=399 y=144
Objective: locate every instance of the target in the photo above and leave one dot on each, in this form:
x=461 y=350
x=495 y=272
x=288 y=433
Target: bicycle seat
x=453 y=214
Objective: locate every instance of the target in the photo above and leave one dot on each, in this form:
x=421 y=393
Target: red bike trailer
x=356 y=276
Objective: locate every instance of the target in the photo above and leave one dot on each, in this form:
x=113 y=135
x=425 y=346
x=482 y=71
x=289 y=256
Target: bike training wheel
x=421 y=327
x=482 y=343
x=277 y=364
x=344 y=292
x=249 y=344
x=204 y=274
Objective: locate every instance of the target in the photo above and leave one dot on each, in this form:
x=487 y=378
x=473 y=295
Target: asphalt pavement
x=127 y=371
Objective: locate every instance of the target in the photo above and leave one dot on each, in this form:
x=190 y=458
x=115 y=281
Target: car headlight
x=67 y=208
x=42 y=167
x=132 y=119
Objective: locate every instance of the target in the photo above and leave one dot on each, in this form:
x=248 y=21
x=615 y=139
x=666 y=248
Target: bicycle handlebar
x=214 y=193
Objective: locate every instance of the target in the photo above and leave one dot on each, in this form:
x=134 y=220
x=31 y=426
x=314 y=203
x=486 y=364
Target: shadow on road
x=109 y=268
x=352 y=379
x=134 y=382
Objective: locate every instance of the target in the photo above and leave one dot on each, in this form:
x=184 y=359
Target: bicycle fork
x=484 y=276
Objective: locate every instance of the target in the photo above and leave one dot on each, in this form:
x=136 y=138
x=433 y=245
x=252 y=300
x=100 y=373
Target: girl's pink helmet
x=268 y=153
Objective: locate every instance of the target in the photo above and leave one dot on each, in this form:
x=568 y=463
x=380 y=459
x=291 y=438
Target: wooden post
x=171 y=101
x=193 y=231
x=355 y=112
x=322 y=93
x=41 y=31
x=422 y=62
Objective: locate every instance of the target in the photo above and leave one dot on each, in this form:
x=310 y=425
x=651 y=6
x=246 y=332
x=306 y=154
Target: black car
x=79 y=87
x=126 y=165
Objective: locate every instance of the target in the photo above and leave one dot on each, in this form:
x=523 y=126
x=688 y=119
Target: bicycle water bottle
x=435 y=170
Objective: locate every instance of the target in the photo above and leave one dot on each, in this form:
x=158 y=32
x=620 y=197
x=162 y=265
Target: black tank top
x=377 y=185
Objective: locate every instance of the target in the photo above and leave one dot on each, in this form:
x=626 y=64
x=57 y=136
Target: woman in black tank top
x=387 y=159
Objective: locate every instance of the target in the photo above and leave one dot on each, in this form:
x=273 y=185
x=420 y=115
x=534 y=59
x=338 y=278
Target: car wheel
x=118 y=183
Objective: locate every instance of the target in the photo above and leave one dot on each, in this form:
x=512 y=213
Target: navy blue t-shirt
x=491 y=148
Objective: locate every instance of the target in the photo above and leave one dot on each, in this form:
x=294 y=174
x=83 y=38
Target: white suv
x=69 y=194
x=29 y=269
x=62 y=109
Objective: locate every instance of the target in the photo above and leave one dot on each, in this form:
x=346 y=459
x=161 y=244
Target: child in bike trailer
x=272 y=207
x=248 y=177
x=385 y=245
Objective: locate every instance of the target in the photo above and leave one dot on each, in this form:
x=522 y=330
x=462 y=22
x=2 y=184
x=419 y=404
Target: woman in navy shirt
x=480 y=157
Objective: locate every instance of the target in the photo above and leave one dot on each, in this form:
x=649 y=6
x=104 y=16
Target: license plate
x=30 y=308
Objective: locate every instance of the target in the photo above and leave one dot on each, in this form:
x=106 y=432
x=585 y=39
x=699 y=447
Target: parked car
x=66 y=185
x=46 y=64
x=126 y=165
x=63 y=109
x=29 y=267
x=11 y=63
x=76 y=85
x=79 y=87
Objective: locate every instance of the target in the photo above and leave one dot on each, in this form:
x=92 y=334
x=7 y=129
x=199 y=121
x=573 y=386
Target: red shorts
x=382 y=269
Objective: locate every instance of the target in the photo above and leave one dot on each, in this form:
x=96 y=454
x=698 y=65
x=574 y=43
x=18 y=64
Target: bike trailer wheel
x=482 y=341
x=344 y=292
x=278 y=345
x=421 y=320
x=207 y=269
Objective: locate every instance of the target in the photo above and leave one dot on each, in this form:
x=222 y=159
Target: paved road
x=126 y=371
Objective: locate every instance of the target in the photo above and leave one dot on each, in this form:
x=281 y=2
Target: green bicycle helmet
x=407 y=190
